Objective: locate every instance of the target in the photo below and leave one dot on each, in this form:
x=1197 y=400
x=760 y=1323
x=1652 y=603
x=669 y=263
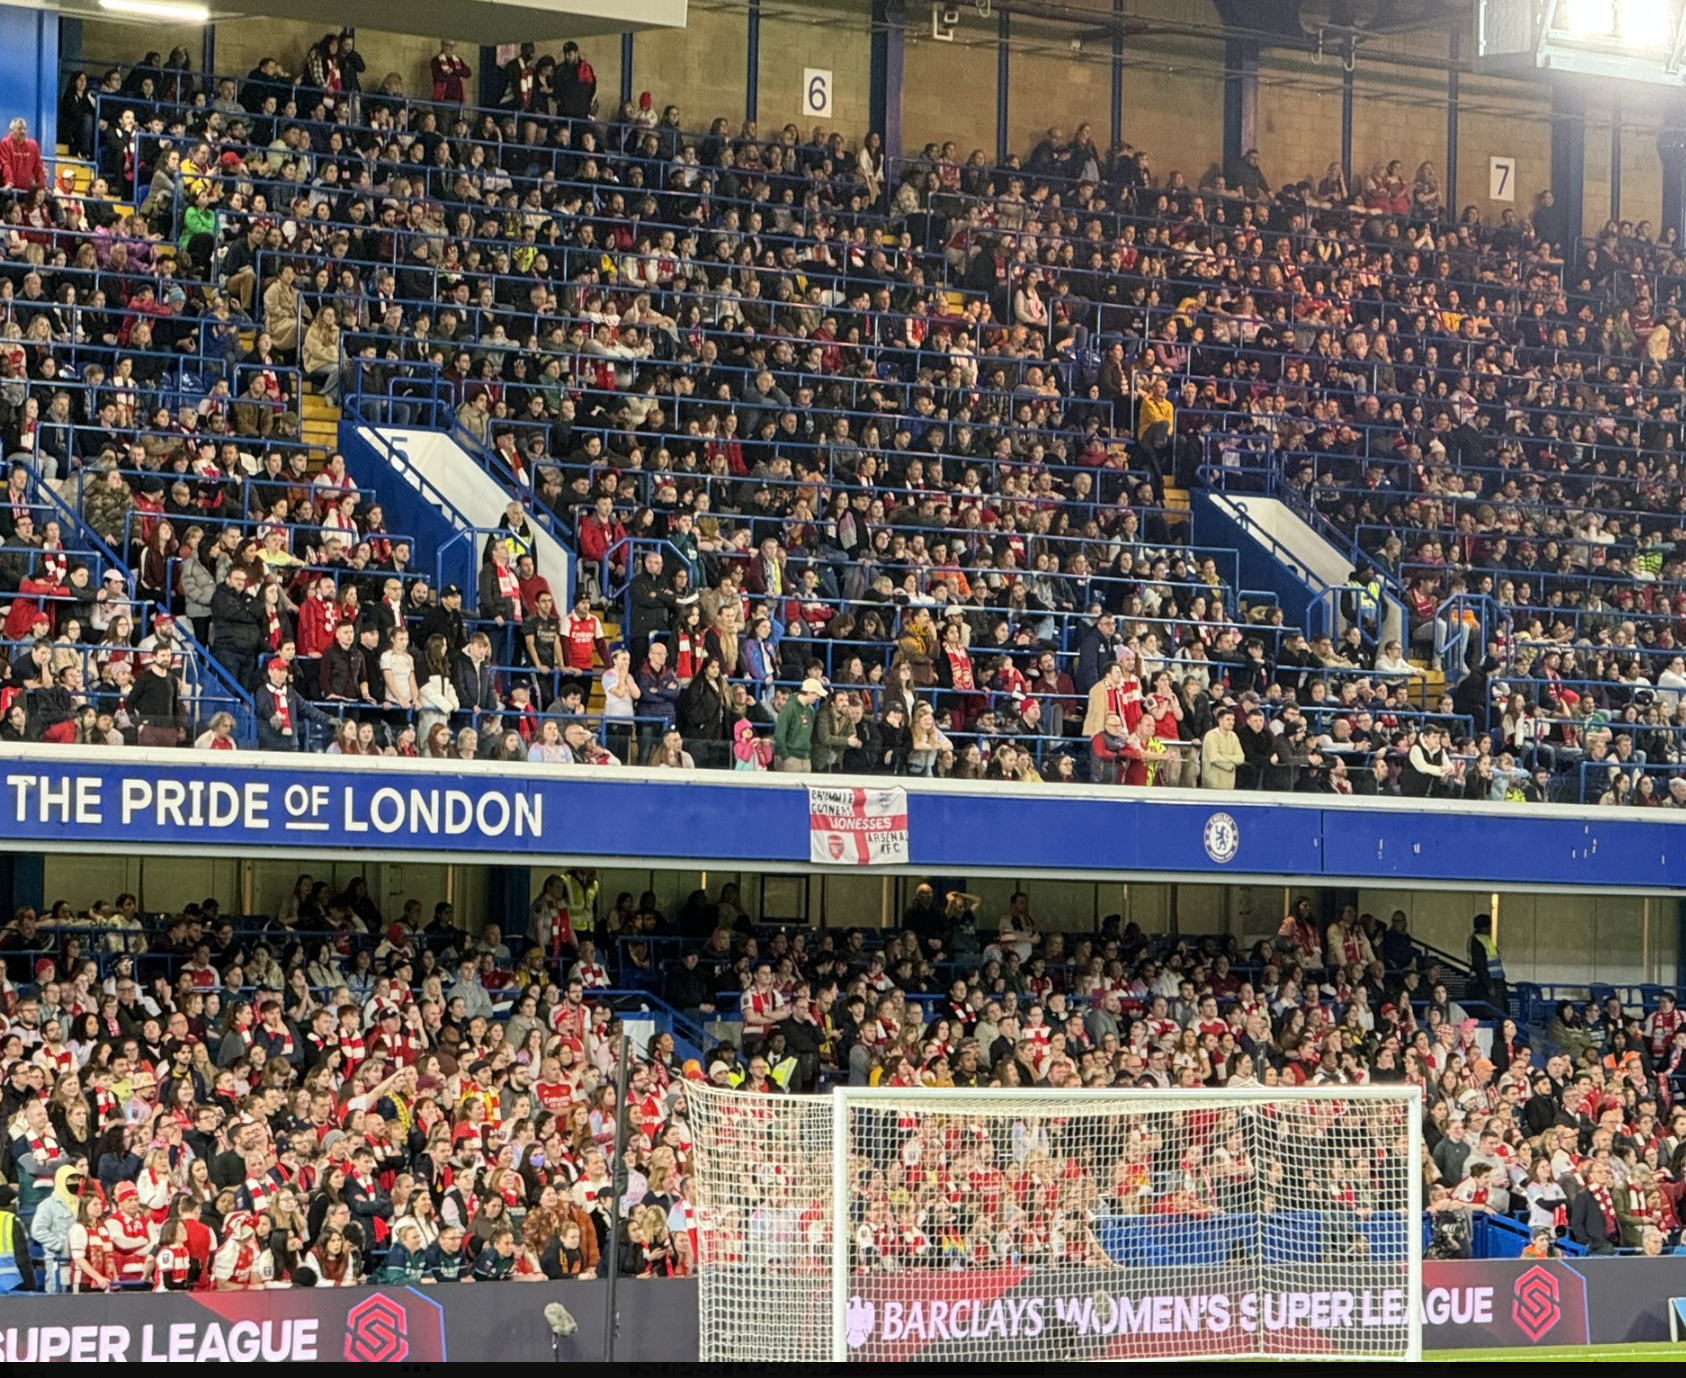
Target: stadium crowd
x=333 y=1095
x=810 y=418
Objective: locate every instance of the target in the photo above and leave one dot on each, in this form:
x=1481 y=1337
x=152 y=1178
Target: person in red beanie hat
x=132 y=1235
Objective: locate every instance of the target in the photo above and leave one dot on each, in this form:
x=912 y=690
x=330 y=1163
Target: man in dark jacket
x=363 y=1194
x=52 y=709
x=1474 y=696
x=653 y=604
x=688 y=986
x=237 y=628
x=471 y=676
x=281 y=713
x=1258 y=748
x=445 y=618
x=154 y=703
x=658 y=698
x=344 y=674
x=1592 y=1214
x=574 y=84
x=1097 y=648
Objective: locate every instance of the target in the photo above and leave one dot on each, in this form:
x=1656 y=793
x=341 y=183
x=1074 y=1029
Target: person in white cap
x=234 y=1267
x=793 y=734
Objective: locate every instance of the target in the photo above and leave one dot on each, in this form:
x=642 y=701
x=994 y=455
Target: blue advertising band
x=68 y=799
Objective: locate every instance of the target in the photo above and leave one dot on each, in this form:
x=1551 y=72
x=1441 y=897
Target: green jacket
x=793 y=734
x=195 y=221
x=832 y=730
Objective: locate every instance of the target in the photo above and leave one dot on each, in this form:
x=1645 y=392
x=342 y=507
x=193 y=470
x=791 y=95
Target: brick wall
x=948 y=92
x=1173 y=91
x=836 y=40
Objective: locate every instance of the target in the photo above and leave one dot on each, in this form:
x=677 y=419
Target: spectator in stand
x=450 y=75
x=21 y=168
x=793 y=733
x=322 y=1168
x=939 y=397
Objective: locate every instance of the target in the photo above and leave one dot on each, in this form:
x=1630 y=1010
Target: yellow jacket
x=1151 y=411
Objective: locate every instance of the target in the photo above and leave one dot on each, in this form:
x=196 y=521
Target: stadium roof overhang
x=489 y=21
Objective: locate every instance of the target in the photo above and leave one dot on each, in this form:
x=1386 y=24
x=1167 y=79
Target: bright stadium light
x=1589 y=18
x=1645 y=23
x=159 y=9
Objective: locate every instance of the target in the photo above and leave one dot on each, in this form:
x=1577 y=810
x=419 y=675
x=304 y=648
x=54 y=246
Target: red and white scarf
x=1606 y=1204
x=283 y=710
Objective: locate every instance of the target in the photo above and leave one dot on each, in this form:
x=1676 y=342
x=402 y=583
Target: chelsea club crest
x=1222 y=838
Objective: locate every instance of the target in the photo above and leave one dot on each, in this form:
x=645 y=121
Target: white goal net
x=983 y=1225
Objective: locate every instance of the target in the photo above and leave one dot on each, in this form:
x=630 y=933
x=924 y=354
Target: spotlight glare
x=1645 y=23
x=1589 y=18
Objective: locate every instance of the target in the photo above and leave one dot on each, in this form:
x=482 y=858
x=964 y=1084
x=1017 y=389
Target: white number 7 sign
x=1501 y=179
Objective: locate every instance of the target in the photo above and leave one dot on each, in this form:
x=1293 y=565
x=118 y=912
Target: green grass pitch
x=1649 y=1352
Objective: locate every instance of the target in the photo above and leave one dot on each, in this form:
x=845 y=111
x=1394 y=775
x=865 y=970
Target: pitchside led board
x=66 y=799
x=1495 y=1304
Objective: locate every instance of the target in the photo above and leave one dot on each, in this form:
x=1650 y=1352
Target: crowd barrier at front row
x=1513 y=1303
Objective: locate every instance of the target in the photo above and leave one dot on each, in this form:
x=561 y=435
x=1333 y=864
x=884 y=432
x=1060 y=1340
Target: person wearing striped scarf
x=1592 y=1214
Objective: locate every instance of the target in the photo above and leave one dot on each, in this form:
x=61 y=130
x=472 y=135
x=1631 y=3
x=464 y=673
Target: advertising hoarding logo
x=376 y=1332
x=863 y=1315
x=1535 y=1305
x=1221 y=838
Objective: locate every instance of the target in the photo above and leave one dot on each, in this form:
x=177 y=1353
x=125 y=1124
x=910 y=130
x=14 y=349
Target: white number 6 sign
x=816 y=93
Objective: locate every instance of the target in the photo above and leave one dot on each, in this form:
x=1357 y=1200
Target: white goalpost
x=890 y=1225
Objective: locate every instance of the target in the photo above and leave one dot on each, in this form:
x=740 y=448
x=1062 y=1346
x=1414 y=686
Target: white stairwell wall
x=447 y=467
x=1292 y=541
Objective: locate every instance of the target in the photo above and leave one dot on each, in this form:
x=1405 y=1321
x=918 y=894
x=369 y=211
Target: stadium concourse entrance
x=1549 y=938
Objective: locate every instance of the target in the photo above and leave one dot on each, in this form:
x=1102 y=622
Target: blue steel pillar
x=1117 y=105
x=884 y=117
x=1452 y=202
x=1616 y=157
x=1671 y=150
x=1346 y=116
x=752 y=63
x=626 y=67
x=1568 y=157
x=29 y=78
x=1002 y=66
x=1241 y=98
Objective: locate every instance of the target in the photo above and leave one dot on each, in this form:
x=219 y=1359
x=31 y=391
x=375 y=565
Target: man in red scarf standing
x=1592 y=1214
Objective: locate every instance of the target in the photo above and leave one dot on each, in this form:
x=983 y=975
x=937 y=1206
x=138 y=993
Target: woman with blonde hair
x=721 y=638
x=321 y=360
x=928 y=740
x=1426 y=200
x=649 y=1248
